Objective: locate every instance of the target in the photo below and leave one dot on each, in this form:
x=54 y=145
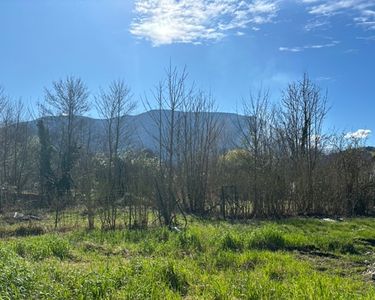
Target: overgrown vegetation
x=143 y=238
x=281 y=164
x=289 y=259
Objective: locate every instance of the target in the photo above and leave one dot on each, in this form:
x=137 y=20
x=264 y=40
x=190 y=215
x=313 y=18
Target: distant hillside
x=141 y=129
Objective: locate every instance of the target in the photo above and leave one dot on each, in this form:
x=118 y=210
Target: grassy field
x=289 y=259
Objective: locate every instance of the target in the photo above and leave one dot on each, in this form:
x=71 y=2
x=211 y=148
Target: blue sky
x=229 y=47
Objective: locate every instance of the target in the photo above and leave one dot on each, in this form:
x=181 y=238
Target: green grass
x=288 y=259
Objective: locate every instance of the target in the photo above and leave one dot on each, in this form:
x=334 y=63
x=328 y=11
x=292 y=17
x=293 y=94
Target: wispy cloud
x=196 y=21
x=315 y=46
x=366 y=19
x=324 y=78
x=332 y=7
x=291 y=49
x=367 y=38
x=351 y=51
x=359 y=134
x=362 y=12
x=317 y=24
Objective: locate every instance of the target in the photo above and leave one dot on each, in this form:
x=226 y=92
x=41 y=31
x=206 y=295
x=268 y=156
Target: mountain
x=141 y=129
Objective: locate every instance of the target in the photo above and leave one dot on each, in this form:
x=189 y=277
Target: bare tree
x=15 y=143
x=87 y=169
x=113 y=106
x=67 y=99
x=6 y=121
x=20 y=147
x=3 y=99
x=303 y=110
x=255 y=139
x=170 y=96
x=350 y=177
x=197 y=142
x=4 y=138
x=47 y=177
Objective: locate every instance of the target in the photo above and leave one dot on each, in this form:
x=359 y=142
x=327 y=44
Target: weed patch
x=267 y=238
x=175 y=279
x=231 y=242
x=42 y=248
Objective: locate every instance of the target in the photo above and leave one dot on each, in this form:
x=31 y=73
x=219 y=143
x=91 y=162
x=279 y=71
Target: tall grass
x=210 y=260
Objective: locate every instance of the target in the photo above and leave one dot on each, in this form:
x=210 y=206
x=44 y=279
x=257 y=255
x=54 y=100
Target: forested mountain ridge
x=140 y=130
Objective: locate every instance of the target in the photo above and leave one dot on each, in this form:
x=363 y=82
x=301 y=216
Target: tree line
x=284 y=164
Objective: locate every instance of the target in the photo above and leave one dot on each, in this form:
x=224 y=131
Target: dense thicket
x=284 y=165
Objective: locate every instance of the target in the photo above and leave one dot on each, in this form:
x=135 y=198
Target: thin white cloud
x=351 y=50
x=196 y=21
x=362 y=12
x=315 y=46
x=366 y=19
x=310 y=1
x=316 y=23
x=291 y=49
x=329 y=8
x=367 y=38
x=324 y=78
x=319 y=46
x=359 y=134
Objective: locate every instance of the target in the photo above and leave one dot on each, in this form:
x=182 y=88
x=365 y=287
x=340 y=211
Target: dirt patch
x=370 y=272
x=313 y=251
x=335 y=265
